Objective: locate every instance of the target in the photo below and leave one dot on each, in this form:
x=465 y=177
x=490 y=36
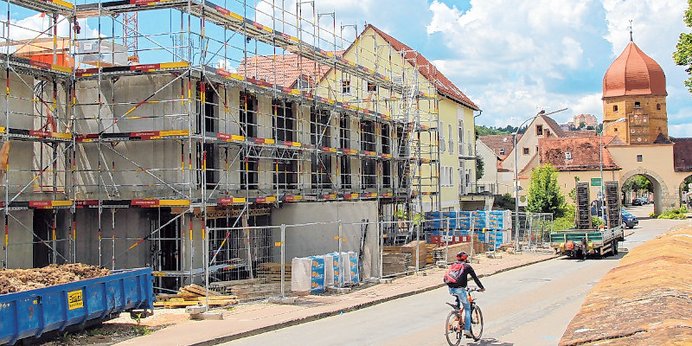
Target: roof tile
x=575 y=153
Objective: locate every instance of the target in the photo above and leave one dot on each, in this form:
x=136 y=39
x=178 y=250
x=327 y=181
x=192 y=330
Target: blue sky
x=515 y=57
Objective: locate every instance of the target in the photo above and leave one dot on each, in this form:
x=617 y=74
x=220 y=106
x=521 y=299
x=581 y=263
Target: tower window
x=637 y=104
x=615 y=108
x=526 y=151
x=658 y=106
x=640 y=158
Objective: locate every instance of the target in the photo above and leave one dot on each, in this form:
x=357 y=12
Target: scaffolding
x=208 y=125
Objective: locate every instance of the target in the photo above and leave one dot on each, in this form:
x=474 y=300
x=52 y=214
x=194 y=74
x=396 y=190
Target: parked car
x=639 y=201
x=628 y=219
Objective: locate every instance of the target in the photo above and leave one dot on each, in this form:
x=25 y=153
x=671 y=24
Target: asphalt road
x=527 y=306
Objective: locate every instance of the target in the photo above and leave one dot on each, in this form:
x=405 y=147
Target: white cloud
x=545 y=54
x=40 y=26
x=507 y=60
x=285 y=19
x=680 y=130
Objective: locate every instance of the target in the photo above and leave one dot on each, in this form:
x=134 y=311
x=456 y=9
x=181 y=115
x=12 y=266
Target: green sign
x=595 y=181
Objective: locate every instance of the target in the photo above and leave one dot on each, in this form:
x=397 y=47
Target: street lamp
x=516 y=174
x=600 y=159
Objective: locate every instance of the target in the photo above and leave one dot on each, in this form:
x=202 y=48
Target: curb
x=311 y=318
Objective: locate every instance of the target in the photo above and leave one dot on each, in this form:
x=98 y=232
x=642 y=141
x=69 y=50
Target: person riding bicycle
x=458 y=287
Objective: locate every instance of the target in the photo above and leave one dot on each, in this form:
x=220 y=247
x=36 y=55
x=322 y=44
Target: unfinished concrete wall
x=21 y=109
x=20 y=248
x=304 y=241
x=120 y=229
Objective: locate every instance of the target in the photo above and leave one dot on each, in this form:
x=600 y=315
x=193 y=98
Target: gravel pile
x=17 y=280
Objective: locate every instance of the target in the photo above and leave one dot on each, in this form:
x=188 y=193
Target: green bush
x=566 y=221
x=597 y=222
x=674 y=214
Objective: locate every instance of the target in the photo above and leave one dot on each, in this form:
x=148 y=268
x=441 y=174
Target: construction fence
x=315 y=258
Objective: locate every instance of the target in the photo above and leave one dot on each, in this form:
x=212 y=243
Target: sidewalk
x=255 y=318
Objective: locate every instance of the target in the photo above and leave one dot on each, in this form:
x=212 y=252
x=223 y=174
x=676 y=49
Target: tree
x=638 y=183
x=544 y=192
x=683 y=54
x=480 y=168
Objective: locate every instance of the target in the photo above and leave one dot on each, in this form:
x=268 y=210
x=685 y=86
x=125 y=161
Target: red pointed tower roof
x=634 y=73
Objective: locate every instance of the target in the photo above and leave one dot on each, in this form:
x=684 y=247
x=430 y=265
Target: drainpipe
x=475 y=148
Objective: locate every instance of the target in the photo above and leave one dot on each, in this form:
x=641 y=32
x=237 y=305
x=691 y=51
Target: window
x=367 y=136
x=568 y=155
x=547 y=133
x=615 y=108
x=637 y=104
x=346 y=84
x=368 y=174
x=526 y=151
x=451 y=140
x=386 y=146
x=283 y=121
x=539 y=130
x=446 y=177
x=206 y=113
x=346 y=173
x=640 y=158
x=386 y=174
x=441 y=135
x=286 y=177
x=249 y=176
x=658 y=106
x=372 y=87
x=345 y=131
x=502 y=151
x=320 y=136
x=248 y=114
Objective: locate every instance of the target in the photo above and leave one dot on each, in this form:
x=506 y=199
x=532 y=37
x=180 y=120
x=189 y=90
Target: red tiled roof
x=583 y=153
x=289 y=68
x=682 y=154
x=498 y=142
x=427 y=69
x=584 y=133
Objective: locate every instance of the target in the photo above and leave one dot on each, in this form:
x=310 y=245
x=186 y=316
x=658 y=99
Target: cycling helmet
x=462 y=256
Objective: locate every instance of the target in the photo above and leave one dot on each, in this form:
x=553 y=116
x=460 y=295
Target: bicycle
x=454 y=325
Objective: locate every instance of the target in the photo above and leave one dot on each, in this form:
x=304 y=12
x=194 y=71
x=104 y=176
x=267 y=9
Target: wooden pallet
x=191 y=295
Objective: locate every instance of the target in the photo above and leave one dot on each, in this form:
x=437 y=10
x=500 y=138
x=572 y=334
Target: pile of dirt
x=644 y=300
x=17 y=280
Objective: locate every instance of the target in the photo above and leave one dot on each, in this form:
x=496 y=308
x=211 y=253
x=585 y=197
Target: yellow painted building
x=437 y=118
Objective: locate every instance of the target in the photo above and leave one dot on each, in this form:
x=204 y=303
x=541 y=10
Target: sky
x=511 y=57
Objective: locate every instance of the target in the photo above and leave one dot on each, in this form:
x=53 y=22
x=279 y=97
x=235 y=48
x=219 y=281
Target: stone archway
x=664 y=197
x=685 y=196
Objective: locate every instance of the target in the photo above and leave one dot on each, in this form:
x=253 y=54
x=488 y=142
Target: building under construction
x=143 y=132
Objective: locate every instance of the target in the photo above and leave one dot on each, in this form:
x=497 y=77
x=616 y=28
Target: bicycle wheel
x=453 y=329
x=476 y=323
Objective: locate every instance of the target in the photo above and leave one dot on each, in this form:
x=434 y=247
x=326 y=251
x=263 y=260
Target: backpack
x=454 y=273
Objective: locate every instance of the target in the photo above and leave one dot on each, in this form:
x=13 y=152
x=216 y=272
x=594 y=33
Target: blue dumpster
x=30 y=314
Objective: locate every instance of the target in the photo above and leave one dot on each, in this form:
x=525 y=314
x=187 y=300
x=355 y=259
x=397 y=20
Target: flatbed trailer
x=582 y=242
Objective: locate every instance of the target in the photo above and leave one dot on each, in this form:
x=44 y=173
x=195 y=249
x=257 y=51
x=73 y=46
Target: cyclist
x=458 y=289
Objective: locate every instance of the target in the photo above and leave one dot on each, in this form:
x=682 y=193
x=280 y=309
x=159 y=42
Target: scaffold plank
x=62 y=7
x=221 y=16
